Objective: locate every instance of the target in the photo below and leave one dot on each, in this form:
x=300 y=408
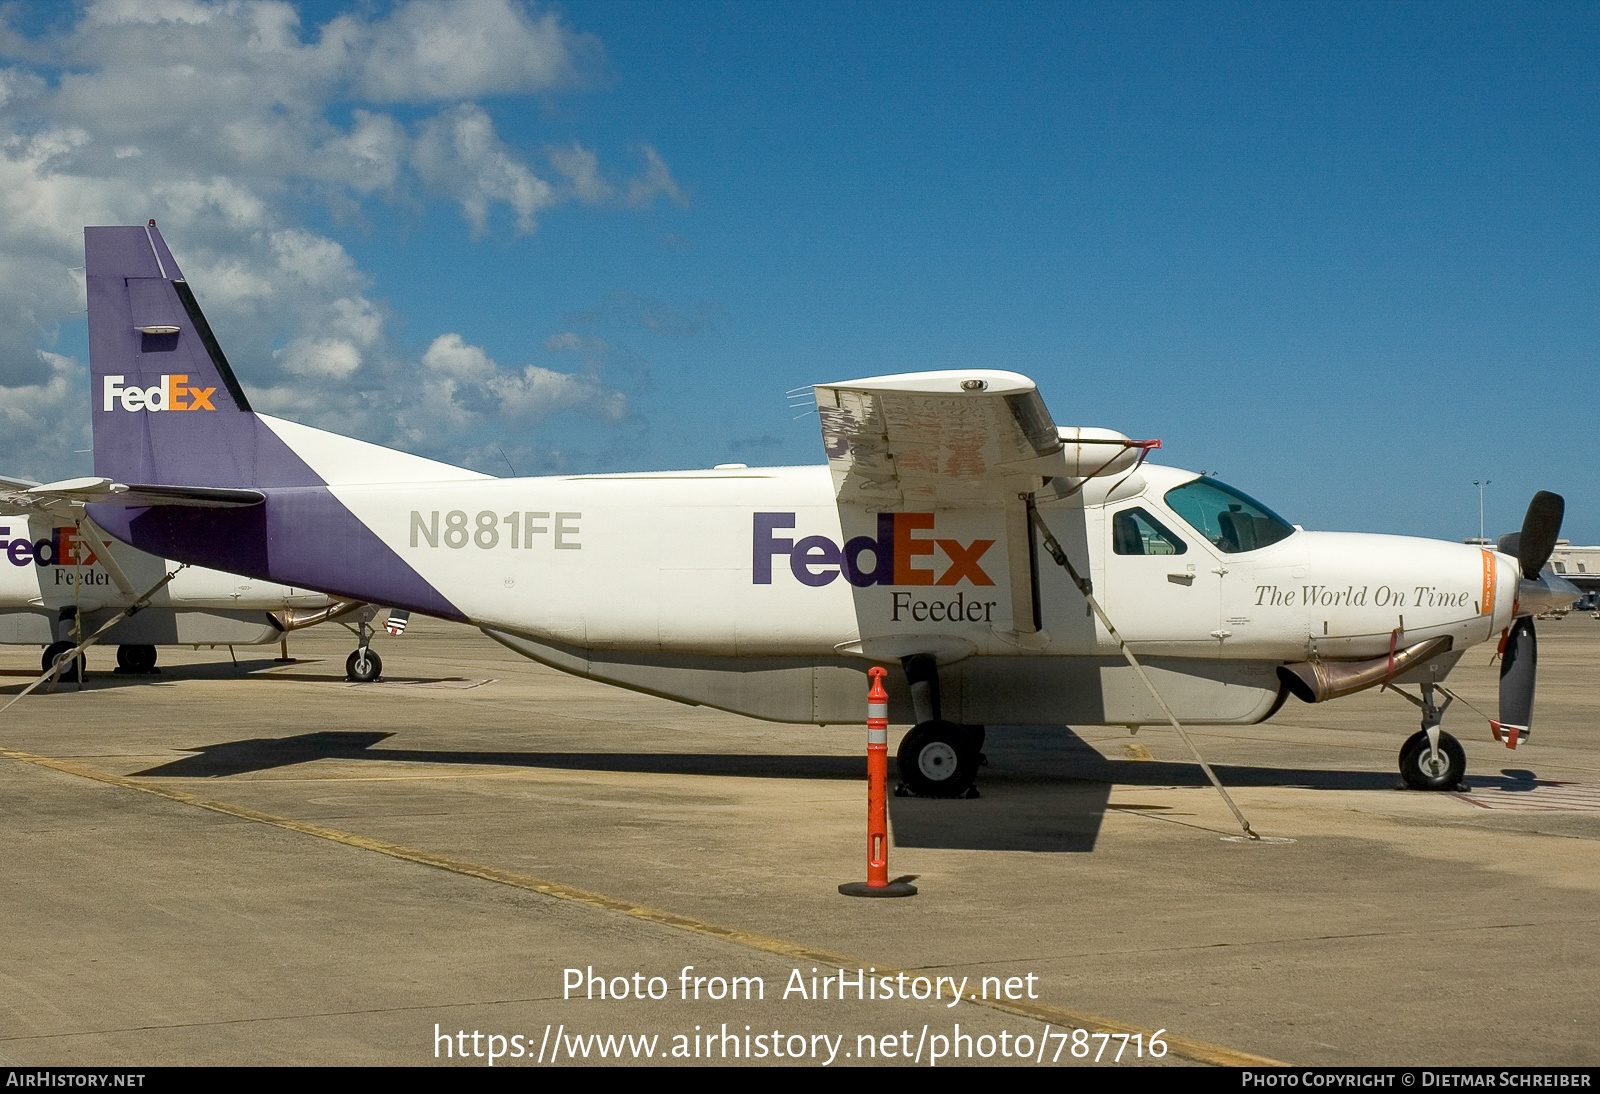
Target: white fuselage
x=669 y=582
x=716 y=563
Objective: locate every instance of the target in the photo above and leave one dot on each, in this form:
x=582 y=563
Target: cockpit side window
x=1136 y=532
x=1232 y=520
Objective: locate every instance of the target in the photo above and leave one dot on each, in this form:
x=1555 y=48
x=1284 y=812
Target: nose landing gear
x=1425 y=767
x=1431 y=759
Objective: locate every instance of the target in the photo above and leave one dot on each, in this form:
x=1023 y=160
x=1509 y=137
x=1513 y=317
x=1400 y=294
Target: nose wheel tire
x=1422 y=772
x=940 y=760
x=362 y=666
x=73 y=673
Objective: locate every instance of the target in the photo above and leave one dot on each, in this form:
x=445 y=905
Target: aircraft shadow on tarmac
x=1045 y=789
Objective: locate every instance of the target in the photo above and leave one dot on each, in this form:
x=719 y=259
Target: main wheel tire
x=362 y=666
x=1421 y=772
x=73 y=673
x=136 y=658
x=939 y=760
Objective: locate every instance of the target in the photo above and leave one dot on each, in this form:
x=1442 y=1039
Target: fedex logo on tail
x=172 y=393
x=898 y=555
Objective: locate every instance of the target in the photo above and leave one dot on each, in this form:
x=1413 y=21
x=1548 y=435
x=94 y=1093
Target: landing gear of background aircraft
x=1422 y=770
x=73 y=673
x=136 y=660
x=940 y=759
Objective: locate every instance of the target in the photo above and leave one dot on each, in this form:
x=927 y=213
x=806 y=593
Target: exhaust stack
x=293 y=619
x=1318 y=681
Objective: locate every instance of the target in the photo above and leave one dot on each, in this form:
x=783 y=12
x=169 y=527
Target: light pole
x=1480 y=484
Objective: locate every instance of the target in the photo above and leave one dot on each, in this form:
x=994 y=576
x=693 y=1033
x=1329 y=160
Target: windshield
x=1229 y=518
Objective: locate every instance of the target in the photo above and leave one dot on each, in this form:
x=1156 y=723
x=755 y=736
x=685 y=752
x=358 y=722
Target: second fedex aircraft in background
x=62 y=578
x=1014 y=568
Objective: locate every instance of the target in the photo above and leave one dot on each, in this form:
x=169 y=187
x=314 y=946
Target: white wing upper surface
x=934 y=439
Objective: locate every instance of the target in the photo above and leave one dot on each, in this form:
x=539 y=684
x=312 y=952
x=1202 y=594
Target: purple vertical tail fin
x=167 y=411
x=166 y=406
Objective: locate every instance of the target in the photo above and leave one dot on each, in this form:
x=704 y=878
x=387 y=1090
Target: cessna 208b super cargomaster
x=955 y=529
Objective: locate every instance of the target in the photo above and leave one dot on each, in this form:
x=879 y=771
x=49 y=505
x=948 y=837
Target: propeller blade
x=1540 y=527
x=1518 y=666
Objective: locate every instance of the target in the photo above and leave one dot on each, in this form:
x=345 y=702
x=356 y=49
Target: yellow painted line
x=1200 y=1051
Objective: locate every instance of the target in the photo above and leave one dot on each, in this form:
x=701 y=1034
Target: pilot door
x=1160 y=587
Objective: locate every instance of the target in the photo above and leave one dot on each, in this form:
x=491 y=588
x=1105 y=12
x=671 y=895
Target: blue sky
x=1344 y=255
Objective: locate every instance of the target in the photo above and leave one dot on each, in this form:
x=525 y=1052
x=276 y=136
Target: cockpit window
x=1135 y=532
x=1230 y=519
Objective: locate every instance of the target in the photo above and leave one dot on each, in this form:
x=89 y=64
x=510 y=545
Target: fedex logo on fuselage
x=898 y=555
x=61 y=548
x=172 y=393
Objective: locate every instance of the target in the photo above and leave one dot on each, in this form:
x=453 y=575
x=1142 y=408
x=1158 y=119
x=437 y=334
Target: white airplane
x=956 y=529
x=62 y=579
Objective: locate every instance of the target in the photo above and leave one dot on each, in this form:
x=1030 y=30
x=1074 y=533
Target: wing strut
x=1087 y=590
x=67 y=658
x=100 y=544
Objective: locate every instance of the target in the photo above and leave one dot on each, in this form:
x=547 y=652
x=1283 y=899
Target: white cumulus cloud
x=445 y=49
x=45 y=425
x=459 y=155
x=463 y=379
x=220 y=119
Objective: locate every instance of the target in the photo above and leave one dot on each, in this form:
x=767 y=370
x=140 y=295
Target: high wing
x=953 y=440
x=930 y=466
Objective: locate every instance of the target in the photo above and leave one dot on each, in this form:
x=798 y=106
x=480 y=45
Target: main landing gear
x=1431 y=759
x=73 y=673
x=938 y=759
x=136 y=660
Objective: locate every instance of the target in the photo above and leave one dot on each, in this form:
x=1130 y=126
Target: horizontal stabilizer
x=66 y=495
x=192 y=497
